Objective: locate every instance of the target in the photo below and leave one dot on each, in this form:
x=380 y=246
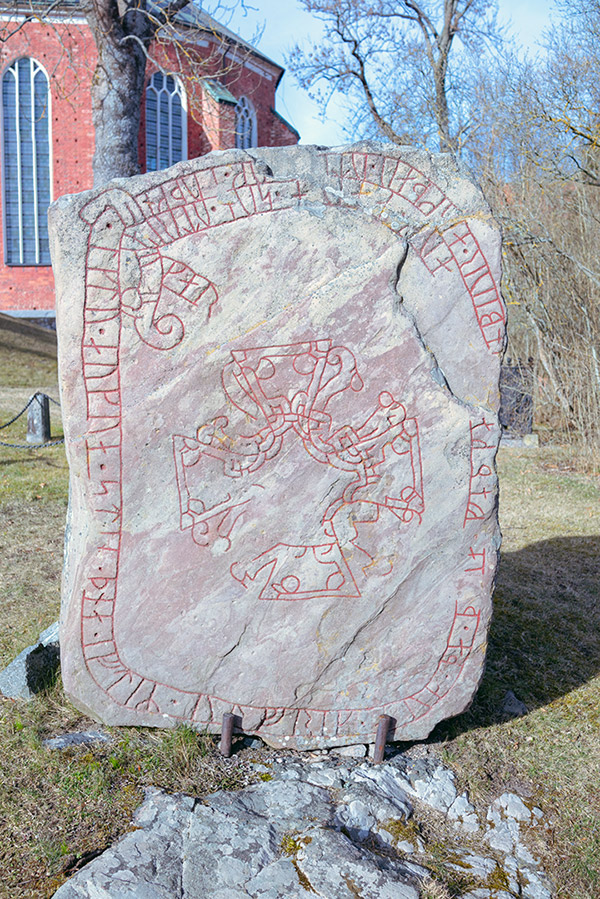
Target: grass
x=57 y=809
x=27 y=354
x=544 y=645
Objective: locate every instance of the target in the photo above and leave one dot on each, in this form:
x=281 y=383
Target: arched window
x=166 y=127
x=245 y=124
x=26 y=158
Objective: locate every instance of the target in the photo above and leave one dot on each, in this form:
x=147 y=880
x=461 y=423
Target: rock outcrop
x=331 y=829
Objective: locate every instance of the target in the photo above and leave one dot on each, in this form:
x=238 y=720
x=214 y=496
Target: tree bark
x=442 y=113
x=123 y=33
x=117 y=89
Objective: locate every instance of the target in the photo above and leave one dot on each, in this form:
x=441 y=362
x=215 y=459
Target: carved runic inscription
x=279 y=377
x=287 y=393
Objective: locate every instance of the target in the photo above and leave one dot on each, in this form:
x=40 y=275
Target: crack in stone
x=316 y=682
x=221 y=659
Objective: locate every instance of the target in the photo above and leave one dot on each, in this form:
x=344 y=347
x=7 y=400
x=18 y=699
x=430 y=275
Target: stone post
x=38 y=419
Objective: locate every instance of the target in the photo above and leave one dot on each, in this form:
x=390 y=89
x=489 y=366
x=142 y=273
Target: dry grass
x=27 y=354
x=432 y=889
x=58 y=809
x=33 y=502
x=544 y=645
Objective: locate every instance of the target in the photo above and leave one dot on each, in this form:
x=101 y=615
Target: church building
x=206 y=89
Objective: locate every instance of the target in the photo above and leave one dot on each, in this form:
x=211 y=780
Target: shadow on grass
x=32 y=457
x=544 y=639
x=36 y=352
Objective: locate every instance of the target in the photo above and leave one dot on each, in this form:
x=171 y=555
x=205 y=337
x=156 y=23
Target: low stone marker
x=38 y=419
x=279 y=380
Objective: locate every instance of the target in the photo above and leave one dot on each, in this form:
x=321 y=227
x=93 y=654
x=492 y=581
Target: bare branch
x=394 y=59
x=34 y=16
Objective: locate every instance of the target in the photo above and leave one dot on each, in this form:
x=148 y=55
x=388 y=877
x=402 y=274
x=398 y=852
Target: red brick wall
x=70 y=61
x=211 y=124
x=69 y=68
x=281 y=134
x=260 y=91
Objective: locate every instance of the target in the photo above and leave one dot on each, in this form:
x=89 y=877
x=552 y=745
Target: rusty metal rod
x=381 y=738
x=226 y=734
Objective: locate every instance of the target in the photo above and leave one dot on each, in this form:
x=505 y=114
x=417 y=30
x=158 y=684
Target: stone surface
x=436 y=789
x=356 y=751
x=317 y=827
x=275 y=840
x=33 y=669
x=463 y=814
x=512 y=707
x=279 y=380
x=80 y=738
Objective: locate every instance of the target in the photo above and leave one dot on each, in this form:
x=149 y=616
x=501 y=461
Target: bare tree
x=399 y=64
x=564 y=96
x=538 y=159
x=127 y=34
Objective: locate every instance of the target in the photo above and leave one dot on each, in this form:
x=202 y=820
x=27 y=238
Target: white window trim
x=35 y=67
x=181 y=93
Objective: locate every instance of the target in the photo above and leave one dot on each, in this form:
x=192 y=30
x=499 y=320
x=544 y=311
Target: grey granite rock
x=463 y=814
x=80 y=738
x=322 y=775
x=512 y=707
x=356 y=751
x=34 y=668
x=334 y=867
x=504 y=817
x=315 y=826
x=535 y=884
x=274 y=840
x=477 y=865
x=363 y=810
x=389 y=781
x=513 y=807
x=437 y=790
x=279 y=380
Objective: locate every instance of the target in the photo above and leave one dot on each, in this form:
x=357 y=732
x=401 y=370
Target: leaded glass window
x=165 y=122
x=26 y=158
x=245 y=124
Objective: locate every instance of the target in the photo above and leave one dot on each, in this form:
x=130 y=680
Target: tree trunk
x=442 y=114
x=117 y=90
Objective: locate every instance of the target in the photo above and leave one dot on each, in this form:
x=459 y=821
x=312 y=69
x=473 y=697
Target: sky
x=284 y=23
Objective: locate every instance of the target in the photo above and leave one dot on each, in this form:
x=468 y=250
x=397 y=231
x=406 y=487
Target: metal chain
x=19 y=414
x=33 y=446
x=30 y=445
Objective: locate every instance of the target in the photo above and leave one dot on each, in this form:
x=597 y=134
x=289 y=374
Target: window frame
x=35 y=67
x=179 y=91
x=245 y=105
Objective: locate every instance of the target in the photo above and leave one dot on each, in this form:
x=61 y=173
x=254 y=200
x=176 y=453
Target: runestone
x=279 y=373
